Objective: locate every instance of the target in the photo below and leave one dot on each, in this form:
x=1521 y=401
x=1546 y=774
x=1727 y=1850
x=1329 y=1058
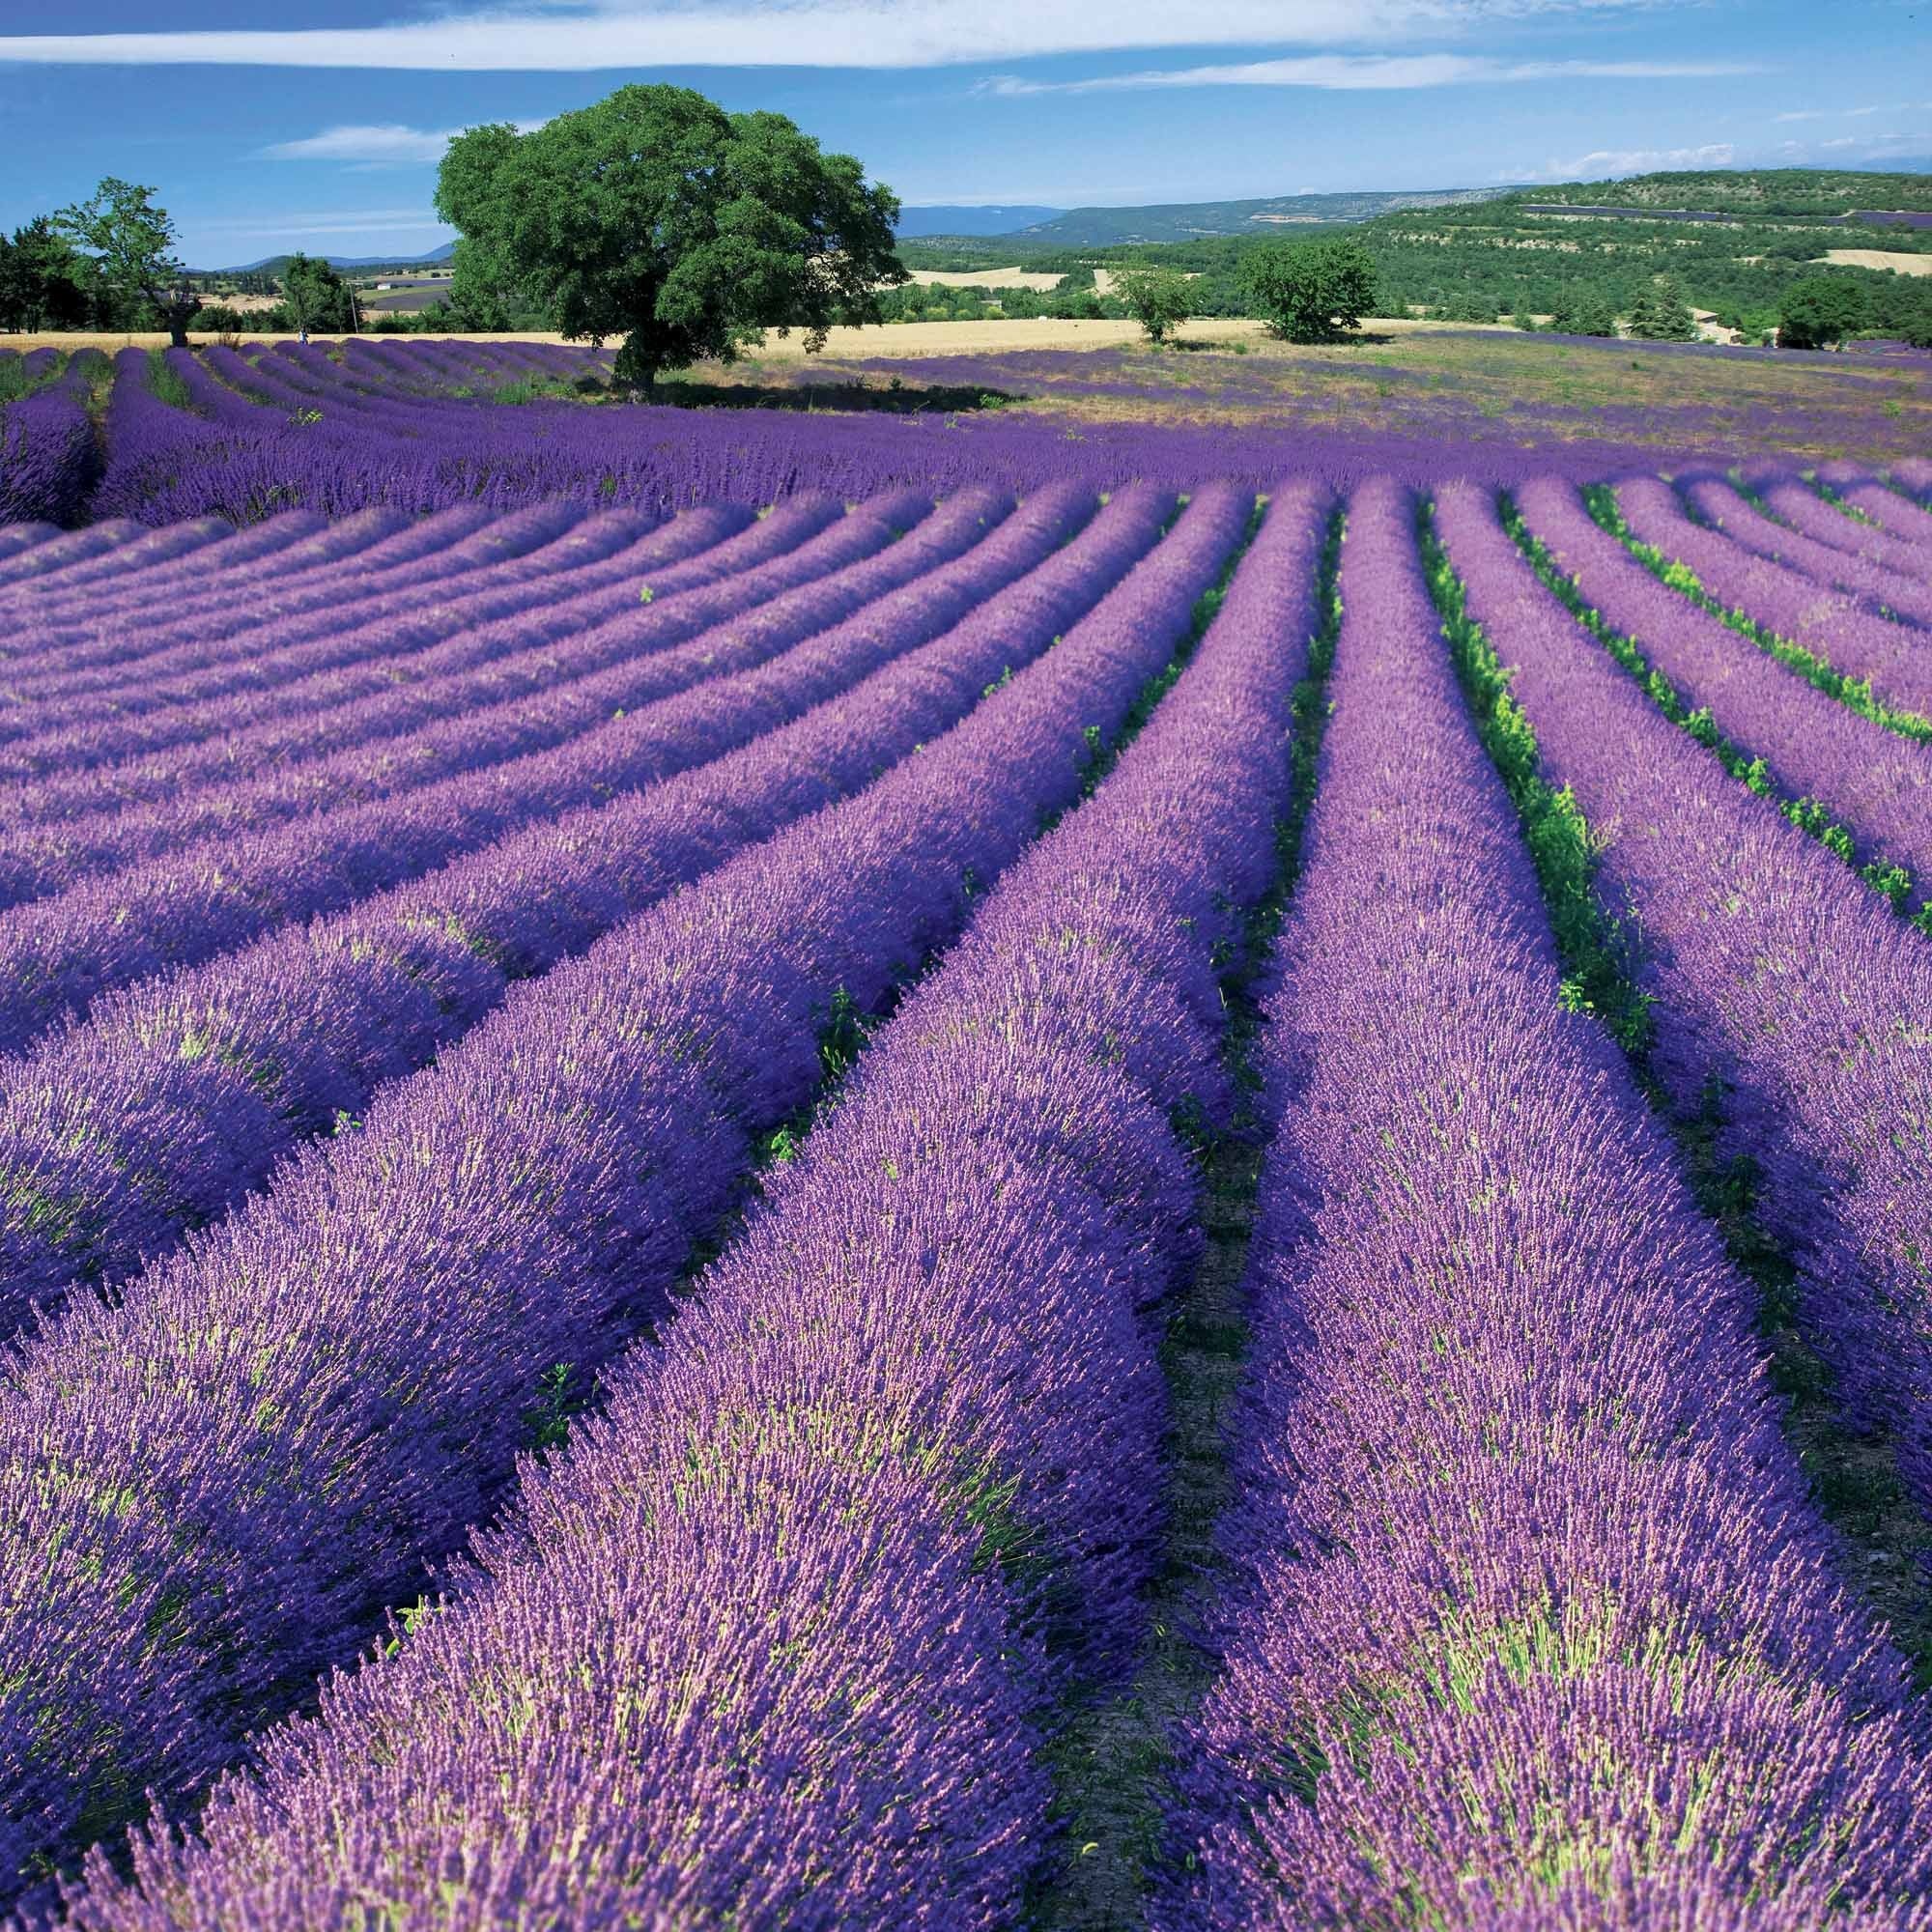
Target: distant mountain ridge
x=1203 y=220
x=1903 y=185
x=268 y=265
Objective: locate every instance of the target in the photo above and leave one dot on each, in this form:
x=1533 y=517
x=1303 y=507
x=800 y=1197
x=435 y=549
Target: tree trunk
x=177 y=334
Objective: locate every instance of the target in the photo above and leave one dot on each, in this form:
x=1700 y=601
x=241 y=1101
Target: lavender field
x=957 y=1166
x=422 y=425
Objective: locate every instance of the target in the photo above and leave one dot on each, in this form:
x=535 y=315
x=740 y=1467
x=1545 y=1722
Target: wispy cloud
x=349 y=221
x=1856 y=113
x=365 y=144
x=529 y=36
x=1603 y=163
x=388 y=145
x=1374 y=70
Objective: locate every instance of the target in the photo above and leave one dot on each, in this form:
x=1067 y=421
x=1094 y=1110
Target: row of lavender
x=1566 y=1708
x=50 y=461
x=287 y=1463
x=934 y=1341
x=416 y=428
x=206 y=780
x=193 y=1087
x=1530 y=1622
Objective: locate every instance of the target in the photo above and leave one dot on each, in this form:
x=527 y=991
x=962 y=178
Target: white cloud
x=1810 y=114
x=375 y=146
x=350 y=221
x=1603 y=163
x=1374 y=70
x=388 y=143
x=531 y=36
x=1843 y=141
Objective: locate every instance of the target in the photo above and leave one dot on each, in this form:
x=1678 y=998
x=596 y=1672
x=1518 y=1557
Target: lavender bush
x=966 y=1265
x=522 y=1203
x=1529 y=1624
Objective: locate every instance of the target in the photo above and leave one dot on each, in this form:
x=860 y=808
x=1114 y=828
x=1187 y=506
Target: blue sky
x=321 y=129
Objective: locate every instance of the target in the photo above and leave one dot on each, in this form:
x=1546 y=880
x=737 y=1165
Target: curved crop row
x=18 y=537
x=1876 y=785
x=58 y=954
x=1886 y=590
x=1889 y=509
x=62 y=554
x=285 y=1463
x=909 y=1438
x=328 y=560
x=126 y=659
x=517 y=685
x=190 y=1091
x=1531 y=1624
x=1768 y=970
x=306 y=672
x=1812 y=516
x=1893 y=658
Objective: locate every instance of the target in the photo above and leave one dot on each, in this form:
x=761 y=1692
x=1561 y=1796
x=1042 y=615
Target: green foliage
x=126 y=244
x=1595 y=950
x=166 y=382
x=39 y=279
x=1469 y=305
x=1585 y=310
x=1820 y=312
x=1159 y=300
x=1757 y=192
x=486 y=295
x=550 y=1415
x=218 y=319
x=316 y=298
x=658 y=216
x=1661 y=314
x=1309 y=290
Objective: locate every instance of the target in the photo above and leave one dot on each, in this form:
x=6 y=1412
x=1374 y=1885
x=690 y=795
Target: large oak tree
x=656 y=216
x=127 y=244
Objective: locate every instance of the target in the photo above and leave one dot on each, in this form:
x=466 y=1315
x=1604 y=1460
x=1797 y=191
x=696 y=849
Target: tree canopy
x=656 y=216
x=1661 y=314
x=316 y=298
x=1586 y=310
x=1159 y=300
x=127 y=244
x=39 y=285
x=1820 y=312
x=1309 y=290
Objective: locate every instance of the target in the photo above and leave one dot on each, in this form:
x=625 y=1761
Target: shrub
x=1309 y=290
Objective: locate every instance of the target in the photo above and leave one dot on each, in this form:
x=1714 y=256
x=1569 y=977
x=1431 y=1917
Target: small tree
x=1820 y=312
x=1309 y=290
x=1662 y=314
x=688 y=231
x=1469 y=305
x=127 y=245
x=1158 y=298
x=1587 y=311
x=316 y=298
